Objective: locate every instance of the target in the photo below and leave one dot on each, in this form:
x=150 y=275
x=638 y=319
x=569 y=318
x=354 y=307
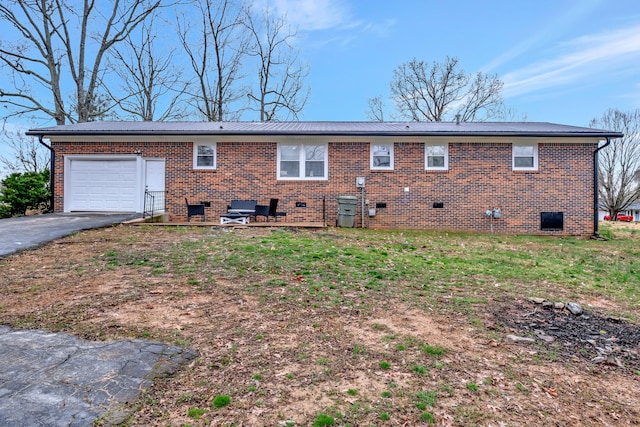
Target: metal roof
x=335 y=128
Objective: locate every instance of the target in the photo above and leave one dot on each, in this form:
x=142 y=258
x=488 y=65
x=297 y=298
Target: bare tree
x=281 y=92
x=60 y=42
x=216 y=55
x=510 y=114
x=439 y=91
x=619 y=163
x=151 y=84
x=27 y=154
x=375 y=113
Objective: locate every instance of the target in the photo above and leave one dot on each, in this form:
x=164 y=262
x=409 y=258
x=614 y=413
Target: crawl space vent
x=551 y=220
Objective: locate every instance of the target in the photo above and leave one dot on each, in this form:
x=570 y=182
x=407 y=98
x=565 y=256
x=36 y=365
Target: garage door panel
x=102 y=185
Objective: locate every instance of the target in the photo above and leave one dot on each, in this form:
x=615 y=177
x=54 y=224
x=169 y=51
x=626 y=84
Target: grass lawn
x=352 y=327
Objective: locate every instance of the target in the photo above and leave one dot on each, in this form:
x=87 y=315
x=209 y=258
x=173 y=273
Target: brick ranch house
x=517 y=178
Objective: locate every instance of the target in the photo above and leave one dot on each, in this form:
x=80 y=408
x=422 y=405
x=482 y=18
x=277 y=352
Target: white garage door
x=101 y=185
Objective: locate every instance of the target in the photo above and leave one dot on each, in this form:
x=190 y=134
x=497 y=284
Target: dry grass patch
x=351 y=326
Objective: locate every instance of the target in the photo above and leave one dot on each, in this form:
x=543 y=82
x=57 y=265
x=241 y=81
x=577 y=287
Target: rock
x=537 y=300
x=547 y=304
x=574 y=308
x=558 y=305
x=544 y=337
x=516 y=338
x=614 y=361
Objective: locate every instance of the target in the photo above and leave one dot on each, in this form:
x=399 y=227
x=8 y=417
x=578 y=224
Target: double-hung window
x=436 y=156
x=204 y=155
x=525 y=156
x=302 y=161
x=382 y=156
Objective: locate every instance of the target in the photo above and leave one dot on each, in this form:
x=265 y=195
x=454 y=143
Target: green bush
x=23 y=191
x=5 y=211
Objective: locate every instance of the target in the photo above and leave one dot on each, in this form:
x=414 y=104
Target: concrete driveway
x=26 y=232
x=57 y=380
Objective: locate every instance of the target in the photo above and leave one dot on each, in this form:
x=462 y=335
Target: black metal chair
x=193 y=210
x=273 y=206
x=261 y=210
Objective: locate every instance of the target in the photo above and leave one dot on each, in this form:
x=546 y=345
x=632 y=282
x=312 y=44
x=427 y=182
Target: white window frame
x=302 y=160
x=372 y=147
x=195 y=155
x=427 y=145
x=515 y=146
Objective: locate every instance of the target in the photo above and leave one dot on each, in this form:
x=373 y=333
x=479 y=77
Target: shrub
x=23 y=191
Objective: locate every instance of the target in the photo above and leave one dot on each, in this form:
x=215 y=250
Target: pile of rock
x=605 y=340
x=573 y=307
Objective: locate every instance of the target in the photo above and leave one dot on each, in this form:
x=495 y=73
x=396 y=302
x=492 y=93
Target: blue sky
x=561 y=61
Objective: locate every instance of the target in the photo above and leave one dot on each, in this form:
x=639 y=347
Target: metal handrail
x=154 y=202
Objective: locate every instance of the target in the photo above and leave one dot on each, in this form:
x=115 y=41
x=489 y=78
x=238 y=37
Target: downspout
x=52 y=170
x=596 y=204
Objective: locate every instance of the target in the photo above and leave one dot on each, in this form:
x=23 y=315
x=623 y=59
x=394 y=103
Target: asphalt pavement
x=20 y=233
x=53 y=379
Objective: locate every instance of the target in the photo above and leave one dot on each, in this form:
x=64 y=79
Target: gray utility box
x=347 y=211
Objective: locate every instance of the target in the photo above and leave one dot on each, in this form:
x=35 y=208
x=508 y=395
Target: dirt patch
x=283 y=362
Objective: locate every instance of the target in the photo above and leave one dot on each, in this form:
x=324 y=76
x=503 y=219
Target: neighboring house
x=634 y=210
x=423 y=175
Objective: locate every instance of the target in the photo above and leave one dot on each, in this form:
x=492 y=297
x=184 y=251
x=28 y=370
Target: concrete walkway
x=26 y=232
x=51 y=379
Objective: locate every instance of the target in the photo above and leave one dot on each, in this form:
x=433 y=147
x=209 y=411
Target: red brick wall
x=480 y=177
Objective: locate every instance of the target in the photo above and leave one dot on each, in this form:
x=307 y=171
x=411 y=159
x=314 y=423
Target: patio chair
x=261 y=210
x=193 y=210
x=273 y=206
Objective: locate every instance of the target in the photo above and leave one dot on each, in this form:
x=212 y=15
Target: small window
x=382 y=156
x=525 y=157
x=302 y=161
x=204 y=156
x=436 y=156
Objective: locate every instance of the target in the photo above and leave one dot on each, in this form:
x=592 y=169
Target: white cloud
x=320 y=15
x=311 y=15
x=584 y=60
x=549 y=30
